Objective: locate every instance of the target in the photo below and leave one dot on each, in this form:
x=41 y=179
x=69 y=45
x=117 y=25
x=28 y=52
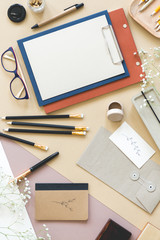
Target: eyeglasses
x=17 y=85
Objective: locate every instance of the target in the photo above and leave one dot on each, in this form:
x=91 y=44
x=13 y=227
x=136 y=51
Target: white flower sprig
x=45 y=232
x=9 y=232
x=150 y=99
x=15 y=201
x=150 y=72
x=10 y=196
x=150 y=67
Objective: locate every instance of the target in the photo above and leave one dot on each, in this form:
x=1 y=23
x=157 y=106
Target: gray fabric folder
x=106 y=162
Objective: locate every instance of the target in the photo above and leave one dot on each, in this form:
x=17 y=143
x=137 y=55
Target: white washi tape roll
x=115 y=111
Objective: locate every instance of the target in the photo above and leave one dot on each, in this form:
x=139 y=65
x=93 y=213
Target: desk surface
x=71 y=147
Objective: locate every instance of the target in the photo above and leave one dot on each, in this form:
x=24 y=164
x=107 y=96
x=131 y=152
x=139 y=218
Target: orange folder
x=128 y=47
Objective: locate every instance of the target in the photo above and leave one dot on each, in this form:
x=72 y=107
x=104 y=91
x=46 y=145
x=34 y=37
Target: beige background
x=71 y=147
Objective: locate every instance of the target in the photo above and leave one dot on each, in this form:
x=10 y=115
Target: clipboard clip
x=112 y=44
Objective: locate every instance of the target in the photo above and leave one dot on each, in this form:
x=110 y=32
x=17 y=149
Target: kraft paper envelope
x=61 y=201
x=106 y=162
x=150 y=232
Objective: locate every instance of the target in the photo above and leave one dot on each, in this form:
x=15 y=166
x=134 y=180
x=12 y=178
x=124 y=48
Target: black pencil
x=43 y=116
x=33 y=168
x=48 y=125
x=24 y=141
x=81 y=133
x=150 y=106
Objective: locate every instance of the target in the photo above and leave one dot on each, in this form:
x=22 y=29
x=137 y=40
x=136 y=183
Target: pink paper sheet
x=99 y=214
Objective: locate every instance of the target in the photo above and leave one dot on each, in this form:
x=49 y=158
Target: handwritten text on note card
x=132 y=145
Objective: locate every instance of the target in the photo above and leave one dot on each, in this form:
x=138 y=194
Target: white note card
x=132 y=145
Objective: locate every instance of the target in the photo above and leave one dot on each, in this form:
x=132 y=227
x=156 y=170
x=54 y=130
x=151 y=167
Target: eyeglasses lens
x=9 y=61
x=17 y=88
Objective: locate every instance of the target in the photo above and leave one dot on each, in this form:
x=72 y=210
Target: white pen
x=156 y=10
x=158 y=28
x=157 y=25
x=157 y=19
x=142 y=1
x=145 y=5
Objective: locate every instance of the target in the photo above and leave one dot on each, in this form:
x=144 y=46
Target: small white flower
x=144 y=104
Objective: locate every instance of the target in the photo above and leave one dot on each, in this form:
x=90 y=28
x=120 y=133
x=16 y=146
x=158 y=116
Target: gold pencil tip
x=42 y=147
x=5 y=130
x=13 y=180
x=76 y=115
x=79 y=133
x=82 y=128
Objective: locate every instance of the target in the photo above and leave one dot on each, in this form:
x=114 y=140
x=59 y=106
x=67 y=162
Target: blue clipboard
x=42 y=102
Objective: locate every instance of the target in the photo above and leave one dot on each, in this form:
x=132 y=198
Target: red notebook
x=128 y=47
